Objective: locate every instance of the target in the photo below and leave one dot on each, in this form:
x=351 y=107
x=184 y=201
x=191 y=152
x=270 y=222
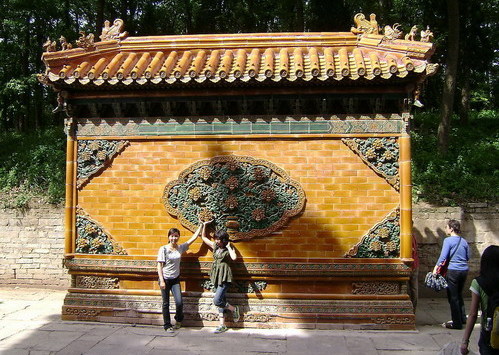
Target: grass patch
x=32 y=165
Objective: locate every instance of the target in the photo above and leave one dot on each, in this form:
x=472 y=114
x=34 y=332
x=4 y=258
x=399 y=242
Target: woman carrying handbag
x=454 y=254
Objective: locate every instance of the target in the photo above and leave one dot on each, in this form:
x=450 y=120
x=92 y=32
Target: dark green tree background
x=466 y=33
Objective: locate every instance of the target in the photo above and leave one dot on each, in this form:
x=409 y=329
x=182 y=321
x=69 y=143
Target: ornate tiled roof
x=232 y=58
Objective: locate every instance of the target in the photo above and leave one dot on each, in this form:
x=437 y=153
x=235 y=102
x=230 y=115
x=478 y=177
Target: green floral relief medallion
x=382 y=241
x=91 y=237
x=247 y=197
x=94 y=156
x=380 y=154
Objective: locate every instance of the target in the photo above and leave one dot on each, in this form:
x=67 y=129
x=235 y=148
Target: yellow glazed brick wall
x=345 y=198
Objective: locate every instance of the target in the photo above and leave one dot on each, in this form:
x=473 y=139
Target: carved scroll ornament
x=248 y=197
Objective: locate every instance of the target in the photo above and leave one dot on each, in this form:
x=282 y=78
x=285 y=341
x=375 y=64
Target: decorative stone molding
x=94 y=156
x=244 y=287
x=272 y=269
x=91 y=238
x=249 y=197
x=96 y=282
x=375 y=288
x=380 y=154
x=382 y=241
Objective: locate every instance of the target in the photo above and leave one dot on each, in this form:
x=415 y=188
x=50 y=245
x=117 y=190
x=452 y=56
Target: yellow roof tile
x=238 y=57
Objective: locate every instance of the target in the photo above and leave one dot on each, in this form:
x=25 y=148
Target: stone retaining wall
x=32 y=247
x=479 y=225
x=32 y=241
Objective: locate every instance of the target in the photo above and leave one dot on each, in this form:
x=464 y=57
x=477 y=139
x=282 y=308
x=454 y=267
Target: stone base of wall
x=32 y=247
x=255 y=313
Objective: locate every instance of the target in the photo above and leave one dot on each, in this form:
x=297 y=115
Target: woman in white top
x=169 y=276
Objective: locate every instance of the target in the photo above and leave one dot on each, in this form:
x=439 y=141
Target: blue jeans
x=456 y=280
x=219 y=299
x=172 y=285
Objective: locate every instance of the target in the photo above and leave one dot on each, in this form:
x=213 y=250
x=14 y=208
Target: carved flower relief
x=232 y=165
x=268 y=195
x=94 y=145
x=232 y=183
x=205 y=215
x=371 y=154
x=388 y=156
x=195 y=193
x=384 y=233
x=390 y=246
x=82 y=244
x=86 y=156
x=258 y=214
x=375 y=245
x=231 y=202
x=259 y=174
x=377 y=144
x=101 y=155
x=90 y=229
x=205 y=173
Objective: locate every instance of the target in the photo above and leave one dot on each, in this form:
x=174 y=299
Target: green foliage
x=32 y=165
x=468 y=172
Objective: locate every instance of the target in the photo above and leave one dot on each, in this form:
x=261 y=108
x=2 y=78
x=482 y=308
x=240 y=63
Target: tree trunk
x=464 y=102
x=447 y=105
x=99 y=20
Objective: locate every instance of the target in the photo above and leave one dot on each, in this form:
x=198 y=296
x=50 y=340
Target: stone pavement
x=30 y=324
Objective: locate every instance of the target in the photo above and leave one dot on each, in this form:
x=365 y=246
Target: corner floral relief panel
x=382 y=241
x=91 y=238
x=247 y=197
x=380 y=154
x=94 y=156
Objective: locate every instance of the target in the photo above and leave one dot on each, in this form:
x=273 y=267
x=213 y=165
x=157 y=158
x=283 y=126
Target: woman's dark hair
x=489 y=267
x=222 y=236
x=173 y=231
x=454 y=225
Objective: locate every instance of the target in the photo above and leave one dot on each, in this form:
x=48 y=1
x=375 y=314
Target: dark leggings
x=456 y=280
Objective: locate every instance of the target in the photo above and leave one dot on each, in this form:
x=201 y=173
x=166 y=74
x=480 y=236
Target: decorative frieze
x=254 y=268
x=243 y=287
x=380 y=154
x=246 y=196
x=94 y=156
x=375 y=288
x=95 y=282
x=247 y=125
x=382 y=241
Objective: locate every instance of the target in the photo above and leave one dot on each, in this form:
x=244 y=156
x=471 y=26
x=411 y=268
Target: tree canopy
x=465 y=33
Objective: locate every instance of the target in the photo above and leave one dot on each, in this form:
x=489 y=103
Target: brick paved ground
x=30 y=324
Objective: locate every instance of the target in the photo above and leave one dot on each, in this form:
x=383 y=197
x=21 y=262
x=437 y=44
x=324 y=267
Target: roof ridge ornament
x=392 y=33
x=85 y=41
x=364 y=26
x=113 y=32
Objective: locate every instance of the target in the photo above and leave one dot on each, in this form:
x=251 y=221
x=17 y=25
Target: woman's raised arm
x=204 y=237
